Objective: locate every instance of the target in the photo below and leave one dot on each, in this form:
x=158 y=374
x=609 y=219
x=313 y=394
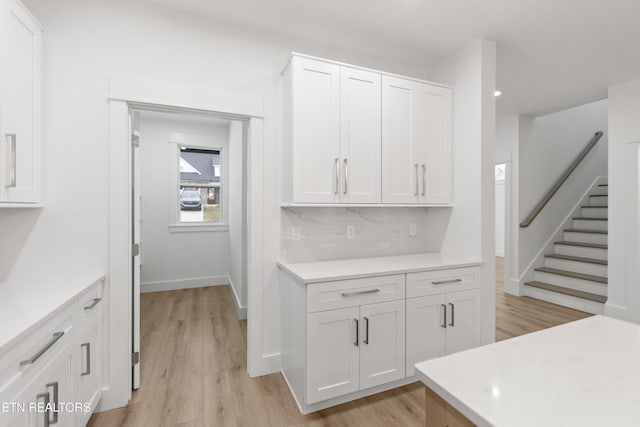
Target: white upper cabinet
x=360 y=139
x=357 y=136
x=416 y=142
x=20 y=79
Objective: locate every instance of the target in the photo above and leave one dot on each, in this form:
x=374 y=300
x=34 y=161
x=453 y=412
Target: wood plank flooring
x=194 y=368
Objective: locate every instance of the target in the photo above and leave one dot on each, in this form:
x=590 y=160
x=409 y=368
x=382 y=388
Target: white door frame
x=127 y=93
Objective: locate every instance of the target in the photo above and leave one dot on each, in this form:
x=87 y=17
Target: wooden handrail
x=534 y=213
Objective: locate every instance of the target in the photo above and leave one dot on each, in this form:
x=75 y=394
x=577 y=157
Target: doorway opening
x=189 y=233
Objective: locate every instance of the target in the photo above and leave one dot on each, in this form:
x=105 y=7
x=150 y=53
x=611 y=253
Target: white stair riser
x=564 y=300
x=600 y=200
x=581 y=251
x=585 y=237
x=580 y=267
x=572 y=283
x=590 y=225
x=594 y=212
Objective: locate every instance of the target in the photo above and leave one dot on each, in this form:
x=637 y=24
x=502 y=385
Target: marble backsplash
x=318 y=234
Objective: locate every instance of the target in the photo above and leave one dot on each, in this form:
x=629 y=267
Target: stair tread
x=574 y=274
x=590 y=219
x=583 y=230
x=578 y=259
x=571 y=292
x=594 y=206
x=586 y=245
x=598 y=195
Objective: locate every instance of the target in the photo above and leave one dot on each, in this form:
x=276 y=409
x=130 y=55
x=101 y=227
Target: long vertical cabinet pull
x=56 y=401
x=366 y=331
x=357 y=341
x=417 y=180
x=12 y=155
x=453 y=307
x=346 y=176
x=444 y=314
x=424 y=179
x=87 y=346
x=45 y=413
x=337 y=170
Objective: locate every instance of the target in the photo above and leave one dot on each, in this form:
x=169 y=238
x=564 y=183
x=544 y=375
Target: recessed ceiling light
x=497 y=93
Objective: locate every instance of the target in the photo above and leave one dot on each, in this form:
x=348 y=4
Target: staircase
x=575 y=274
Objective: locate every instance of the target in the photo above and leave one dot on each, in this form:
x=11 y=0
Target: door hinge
x=135 y=140
x=135 y=358
x=135 y=249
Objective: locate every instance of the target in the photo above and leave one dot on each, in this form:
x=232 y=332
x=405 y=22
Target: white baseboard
x=172 y=285
x=512 y=286
x=241 y=310
x=616 y=311
x=269 y=364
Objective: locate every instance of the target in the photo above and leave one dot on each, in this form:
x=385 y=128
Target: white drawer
x=89 y=304
x=354 y=292
x=442 y=281
x=22 y=361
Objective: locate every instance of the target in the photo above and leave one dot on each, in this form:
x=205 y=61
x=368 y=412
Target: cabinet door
x=400 y=140
x=20 y=44
x=88 y=369
x=382 y=338
x=360 y=136
x=332 y=354
x=57 y=381
x=435 y=153
x=463 y=320
x=21 y=412
x=426 y=329
x=316 y=131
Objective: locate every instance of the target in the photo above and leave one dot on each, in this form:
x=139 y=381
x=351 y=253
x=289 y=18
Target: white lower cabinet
x=57 y=383
x=87 y=372
x=441 y=324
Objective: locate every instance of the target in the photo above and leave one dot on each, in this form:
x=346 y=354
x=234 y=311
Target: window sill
x=198 y=228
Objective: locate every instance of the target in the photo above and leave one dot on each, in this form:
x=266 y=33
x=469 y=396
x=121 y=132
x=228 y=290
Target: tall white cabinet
x=359 y=136
x=20 y=104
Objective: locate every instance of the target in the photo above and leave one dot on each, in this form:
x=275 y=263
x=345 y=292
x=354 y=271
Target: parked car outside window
x=190 y=199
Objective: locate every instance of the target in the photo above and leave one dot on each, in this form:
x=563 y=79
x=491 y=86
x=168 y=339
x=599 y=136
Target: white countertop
x=24 y=305
x=584 y=373
x=324 y=271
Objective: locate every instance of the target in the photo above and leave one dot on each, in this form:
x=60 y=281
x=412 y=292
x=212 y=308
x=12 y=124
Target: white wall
x=172 y=258
x=624 y=196
x=547 y=146
x=236 y=190
x=506 y=136
x=86 y=43
x=470 y=229
x=500 y=223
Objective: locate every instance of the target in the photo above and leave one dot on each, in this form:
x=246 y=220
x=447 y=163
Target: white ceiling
x=552 y=54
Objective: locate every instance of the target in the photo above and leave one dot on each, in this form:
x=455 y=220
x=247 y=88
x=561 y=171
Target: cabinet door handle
x=444 y=316
x=56 y=402
x=366 y=331
x=93 y=303
x=11 y=146
x=337 y=170
x=357 y=326
x=453 y=314
x=87 y=346
x=442 y=282
x=424 y=179
x=46 y=398
x=417 y=180
x=368 y=291
x=47 y=346
x=346 y=176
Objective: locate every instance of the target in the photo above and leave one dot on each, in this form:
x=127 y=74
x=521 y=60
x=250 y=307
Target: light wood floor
x=194 y=368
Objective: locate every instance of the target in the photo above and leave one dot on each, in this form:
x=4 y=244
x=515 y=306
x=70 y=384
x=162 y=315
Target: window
x=200 y=194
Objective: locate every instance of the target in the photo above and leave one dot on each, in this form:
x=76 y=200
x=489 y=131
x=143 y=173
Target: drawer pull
x=444 y=313
x=93 y=304
x=442 y=282
x=366 y=331
x=87 y=345
x=357 y=326
x=453 y=319
x=56 y=402
x=46 y=398
x=368 y=291
x=47 y=346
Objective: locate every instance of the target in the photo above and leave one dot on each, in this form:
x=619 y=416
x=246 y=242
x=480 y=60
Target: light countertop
x=24 y=305
x=324 y=271
x=584 y=373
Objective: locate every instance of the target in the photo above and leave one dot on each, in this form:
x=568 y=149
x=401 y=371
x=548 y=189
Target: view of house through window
x=200 y=196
